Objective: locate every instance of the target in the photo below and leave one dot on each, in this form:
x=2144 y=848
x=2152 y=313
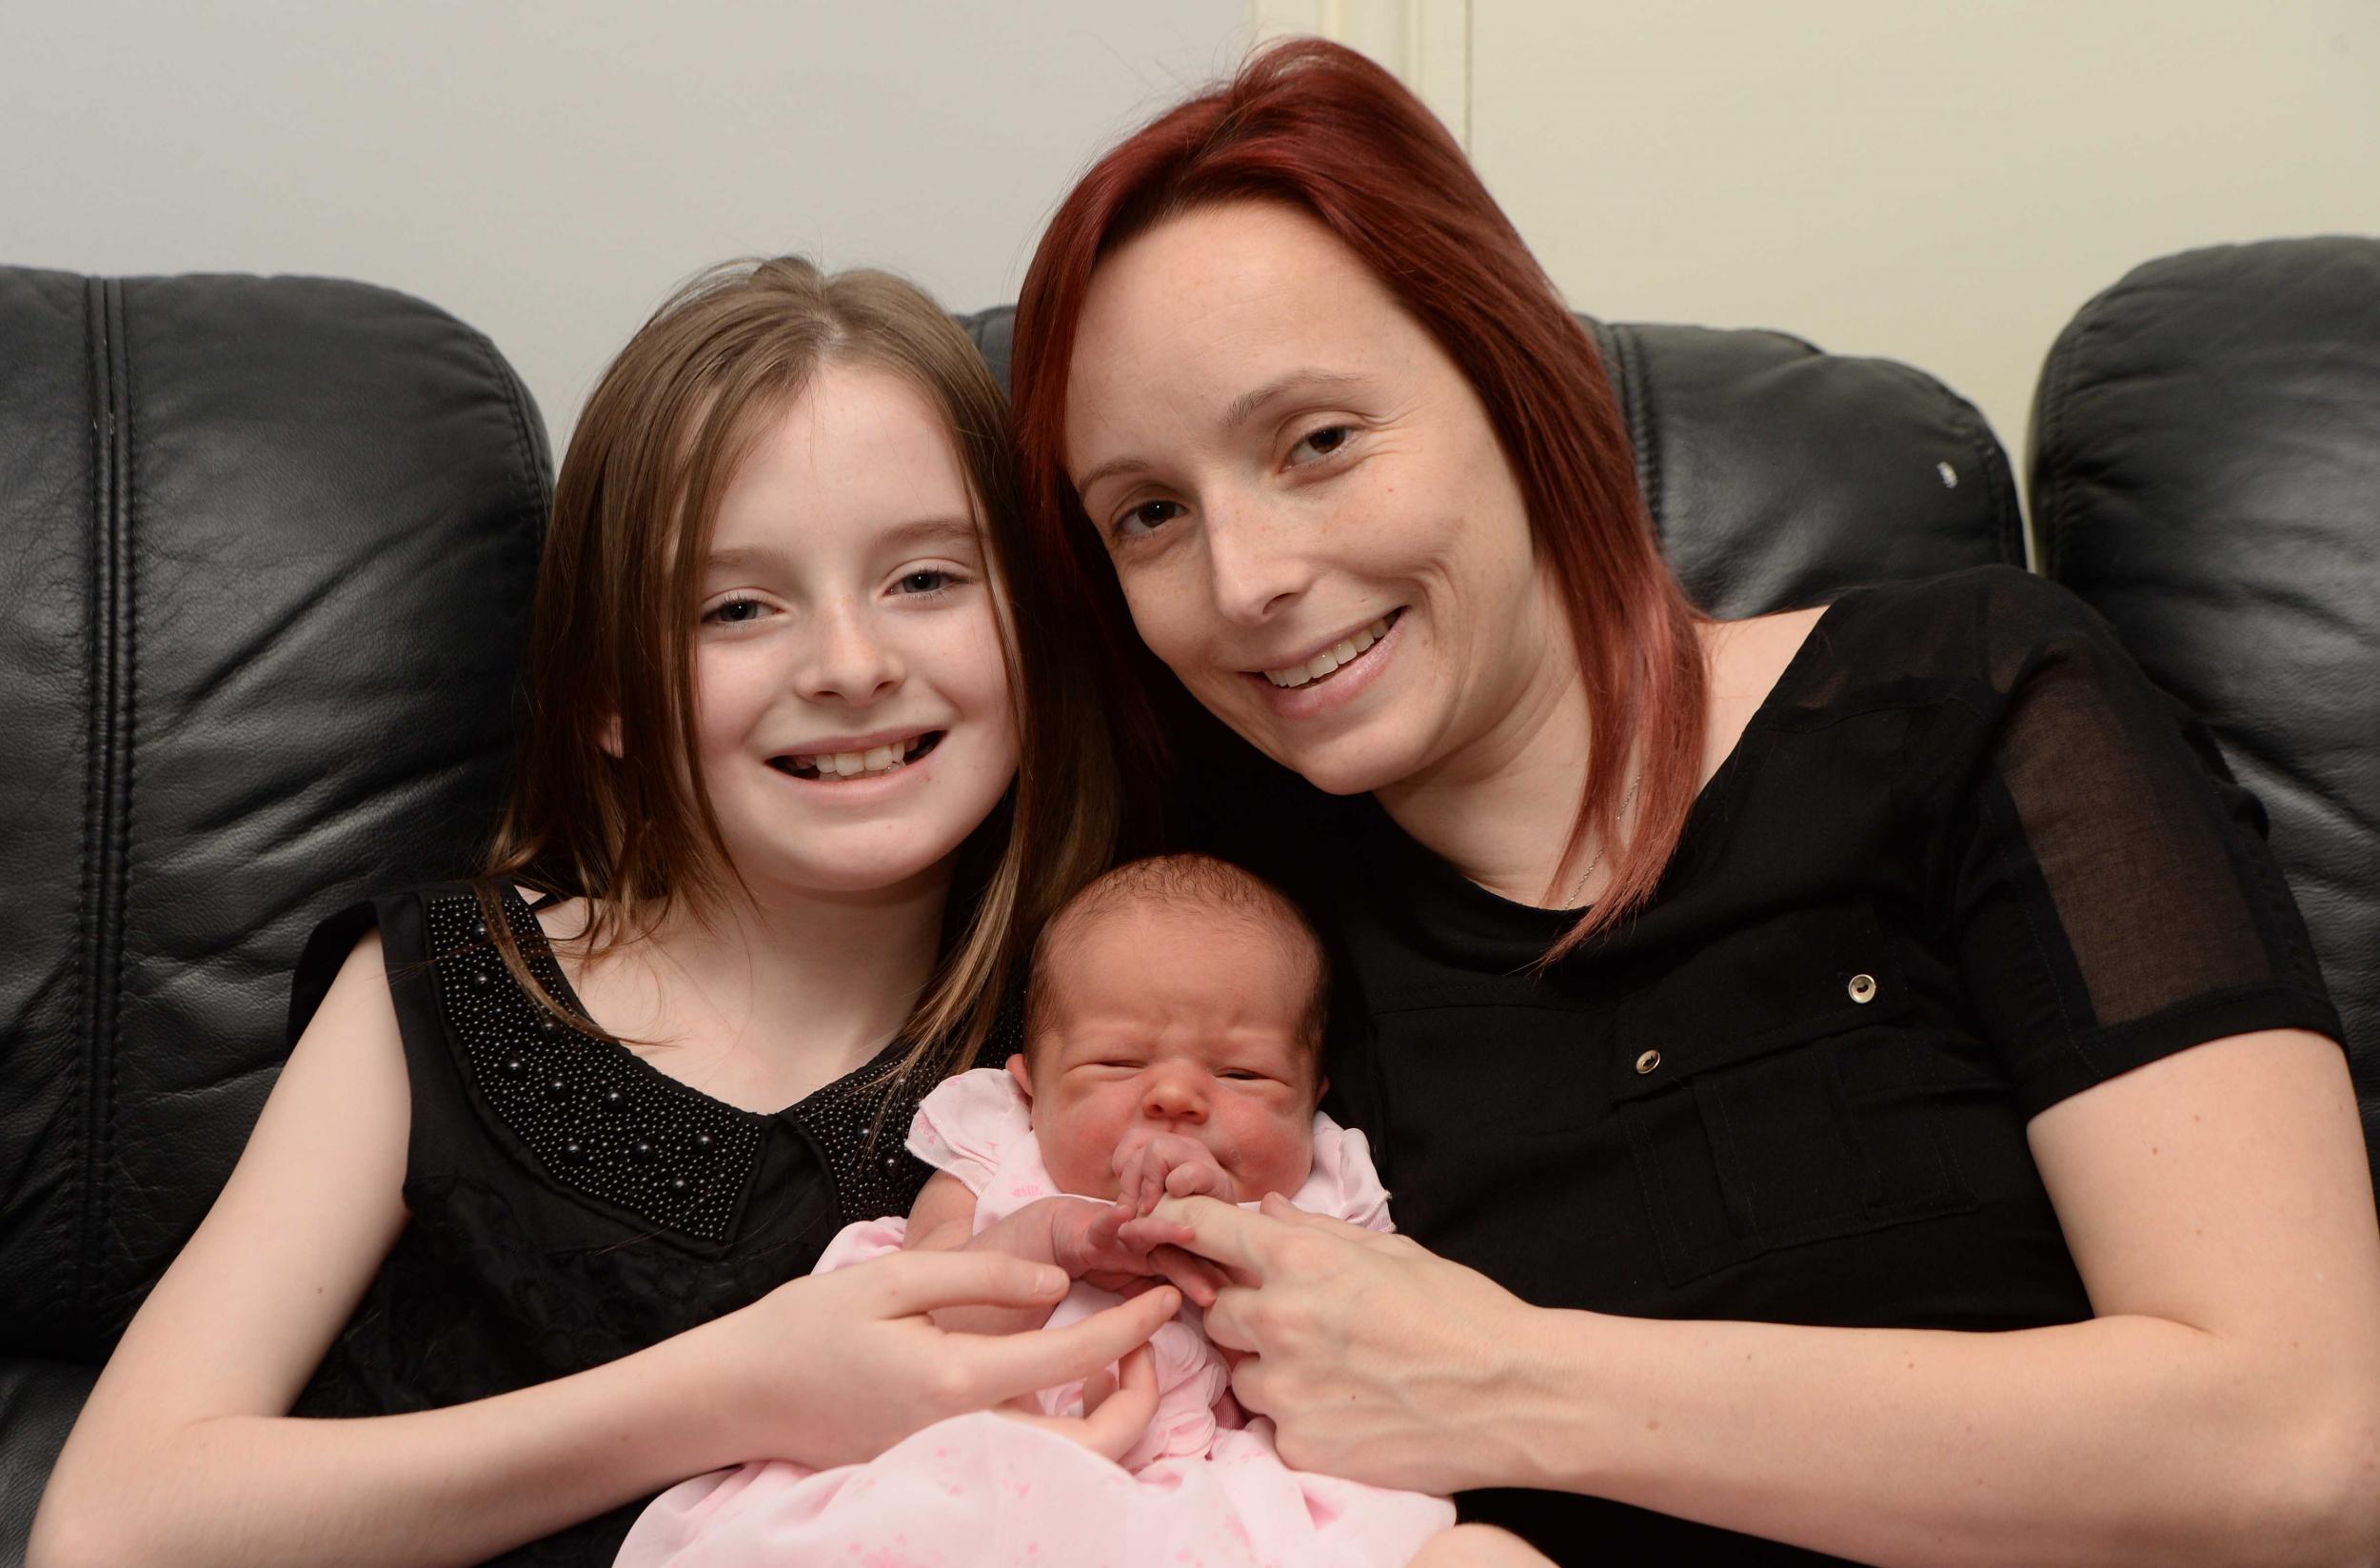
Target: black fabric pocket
x=1765 y=1101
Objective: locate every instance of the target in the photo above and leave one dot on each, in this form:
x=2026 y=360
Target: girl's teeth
x=879 y=755
x=849 y=762
x=1344 y=653
x=1323 y=664
x=1361 y=641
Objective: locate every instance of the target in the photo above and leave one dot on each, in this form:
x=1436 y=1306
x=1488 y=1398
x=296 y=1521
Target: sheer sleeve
x=2112 y=896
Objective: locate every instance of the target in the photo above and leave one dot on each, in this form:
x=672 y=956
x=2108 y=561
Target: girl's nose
x=849 y=660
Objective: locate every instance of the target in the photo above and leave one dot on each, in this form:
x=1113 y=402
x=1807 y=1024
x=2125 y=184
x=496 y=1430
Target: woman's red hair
x=1318 y=126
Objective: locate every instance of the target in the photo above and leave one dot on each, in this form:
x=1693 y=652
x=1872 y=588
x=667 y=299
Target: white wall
x=1943 y=183
x=548 y=168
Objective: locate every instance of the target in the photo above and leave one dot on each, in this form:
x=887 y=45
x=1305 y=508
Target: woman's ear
x=1023 y=1075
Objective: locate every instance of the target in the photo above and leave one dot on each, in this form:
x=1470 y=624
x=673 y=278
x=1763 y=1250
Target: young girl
x=528 y=1195
x=1173 y=1047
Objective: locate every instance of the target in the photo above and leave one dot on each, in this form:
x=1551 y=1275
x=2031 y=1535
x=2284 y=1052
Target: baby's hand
x=1150 y=1166
x=1090 y=1243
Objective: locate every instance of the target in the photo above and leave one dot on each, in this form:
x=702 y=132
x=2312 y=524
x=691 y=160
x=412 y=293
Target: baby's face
x=1181 y=1022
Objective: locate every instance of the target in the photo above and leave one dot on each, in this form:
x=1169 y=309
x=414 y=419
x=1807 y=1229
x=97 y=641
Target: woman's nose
x=1253 y=561
x=848 y=658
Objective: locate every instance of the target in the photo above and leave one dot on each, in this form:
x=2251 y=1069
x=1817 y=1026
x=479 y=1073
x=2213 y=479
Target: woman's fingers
x=1224 y=1232
x=1193 y=1276
x=1017 y=1363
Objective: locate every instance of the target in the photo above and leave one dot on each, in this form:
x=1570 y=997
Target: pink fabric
x=1204 y=1488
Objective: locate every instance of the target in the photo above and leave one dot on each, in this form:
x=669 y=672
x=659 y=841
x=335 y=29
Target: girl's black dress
x=1965 y=862
x=569 y=1202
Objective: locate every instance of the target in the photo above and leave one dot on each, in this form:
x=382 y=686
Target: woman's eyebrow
x=1243 y=409
x=1248 y=405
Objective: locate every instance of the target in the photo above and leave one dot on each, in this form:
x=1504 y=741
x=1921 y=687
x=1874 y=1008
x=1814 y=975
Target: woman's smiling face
x=1309 y=511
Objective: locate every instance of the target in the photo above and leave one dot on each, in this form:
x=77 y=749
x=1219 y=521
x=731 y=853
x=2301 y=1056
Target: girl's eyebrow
x=916 y=534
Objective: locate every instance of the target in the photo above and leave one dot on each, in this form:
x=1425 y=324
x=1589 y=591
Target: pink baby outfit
x=1204 y=1488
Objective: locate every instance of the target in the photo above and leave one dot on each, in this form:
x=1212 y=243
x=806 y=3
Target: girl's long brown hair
x=1318 y=127
x=611 y=633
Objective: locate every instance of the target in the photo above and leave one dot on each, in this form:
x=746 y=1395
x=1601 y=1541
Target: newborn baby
x=1173 y=1037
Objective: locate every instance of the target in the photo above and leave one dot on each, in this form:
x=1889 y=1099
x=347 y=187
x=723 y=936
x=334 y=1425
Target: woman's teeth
x=1330 y=659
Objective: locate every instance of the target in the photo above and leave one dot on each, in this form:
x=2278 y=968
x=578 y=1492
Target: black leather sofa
x=266 y=546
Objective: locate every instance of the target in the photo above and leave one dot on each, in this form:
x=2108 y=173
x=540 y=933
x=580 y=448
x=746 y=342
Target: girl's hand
x=1117 y=1408
x=1376 y=1359
x=834 y=1369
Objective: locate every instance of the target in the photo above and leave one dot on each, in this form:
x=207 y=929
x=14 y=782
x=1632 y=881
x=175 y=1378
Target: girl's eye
x=1147 y=518
x=927 y=582
x=1321 y=443
x=735 y=612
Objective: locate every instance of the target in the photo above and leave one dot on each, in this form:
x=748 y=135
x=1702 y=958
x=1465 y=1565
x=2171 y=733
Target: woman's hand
x=836 y=1368
x=1376 y=1359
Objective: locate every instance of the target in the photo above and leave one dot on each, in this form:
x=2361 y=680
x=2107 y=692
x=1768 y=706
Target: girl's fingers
x=920 y=1282
x=1115 y=1409
x=1008 y=1364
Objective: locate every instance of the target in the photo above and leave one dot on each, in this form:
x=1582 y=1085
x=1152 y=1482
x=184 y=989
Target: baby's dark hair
x=1215 y=886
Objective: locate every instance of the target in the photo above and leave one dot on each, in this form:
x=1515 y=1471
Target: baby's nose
x=1175 y=1097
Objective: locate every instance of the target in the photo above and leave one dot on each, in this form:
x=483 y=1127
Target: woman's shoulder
x=1974 y=636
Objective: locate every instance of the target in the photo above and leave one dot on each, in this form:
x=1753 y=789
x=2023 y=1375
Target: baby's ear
x=1023 y=1075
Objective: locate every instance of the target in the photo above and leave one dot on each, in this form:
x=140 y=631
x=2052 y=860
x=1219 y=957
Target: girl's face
x=851 y=701
x=1309 y=511
x=1175 y=1021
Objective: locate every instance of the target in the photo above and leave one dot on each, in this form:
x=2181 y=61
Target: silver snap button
x=1646 y=1062
x=1863 y=988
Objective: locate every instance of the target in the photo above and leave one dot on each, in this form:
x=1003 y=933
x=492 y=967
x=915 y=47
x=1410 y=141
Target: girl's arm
x=184 y=1454
x=2223 y=1406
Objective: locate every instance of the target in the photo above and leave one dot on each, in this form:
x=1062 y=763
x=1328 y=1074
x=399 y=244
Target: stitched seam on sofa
x=2066 y=365
x=1636 y=393
x=128 y=505
x=529 y=480
x=66 y=1283
x=103 y=932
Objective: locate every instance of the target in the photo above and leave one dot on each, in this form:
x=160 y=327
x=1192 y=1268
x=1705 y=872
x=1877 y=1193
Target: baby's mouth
x=1336 y=657
x=834 y=767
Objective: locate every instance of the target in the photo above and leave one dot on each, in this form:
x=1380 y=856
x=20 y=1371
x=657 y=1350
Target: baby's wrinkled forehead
x=1185 y=938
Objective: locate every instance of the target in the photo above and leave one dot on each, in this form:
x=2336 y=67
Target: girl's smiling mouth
x=871 y=762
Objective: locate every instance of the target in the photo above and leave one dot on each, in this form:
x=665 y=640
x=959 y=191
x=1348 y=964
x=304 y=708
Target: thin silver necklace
x=1580 y=885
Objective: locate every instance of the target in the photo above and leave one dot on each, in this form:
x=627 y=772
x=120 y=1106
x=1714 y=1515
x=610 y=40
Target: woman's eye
x=735 y=612
x=1146 y=517
x=1321 y=443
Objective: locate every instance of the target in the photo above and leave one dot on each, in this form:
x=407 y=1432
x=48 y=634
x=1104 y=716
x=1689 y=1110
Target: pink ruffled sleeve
x=1343 y=1184
x=969 y=1123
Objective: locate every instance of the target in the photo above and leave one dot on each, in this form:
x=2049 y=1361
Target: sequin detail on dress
x=600 y=1121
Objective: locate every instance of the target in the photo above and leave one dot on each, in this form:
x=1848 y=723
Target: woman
x=1850 y=1078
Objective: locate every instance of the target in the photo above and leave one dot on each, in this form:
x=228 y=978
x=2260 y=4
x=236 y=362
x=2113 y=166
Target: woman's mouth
x=1336 y=657
x=874 y=763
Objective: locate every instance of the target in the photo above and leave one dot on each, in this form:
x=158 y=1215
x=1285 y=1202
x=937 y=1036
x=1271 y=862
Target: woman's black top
x=1964 y=863
x=568 y=1203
